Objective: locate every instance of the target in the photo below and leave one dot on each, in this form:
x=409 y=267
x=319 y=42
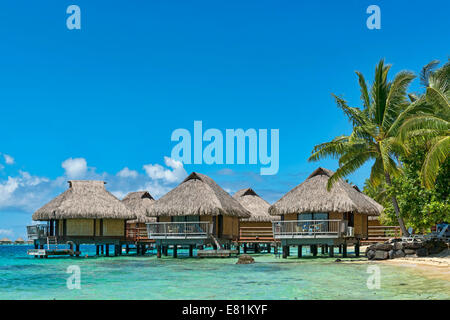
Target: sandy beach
x=436 y=266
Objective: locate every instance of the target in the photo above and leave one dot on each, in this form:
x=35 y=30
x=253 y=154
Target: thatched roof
x=197 y=195
x=84 y=199
x=19 y=240
x=258 y=207
x=138 y=203
x=312 y=196
x=5 y=240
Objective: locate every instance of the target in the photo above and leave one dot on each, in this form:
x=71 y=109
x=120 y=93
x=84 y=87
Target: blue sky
x=89 y=103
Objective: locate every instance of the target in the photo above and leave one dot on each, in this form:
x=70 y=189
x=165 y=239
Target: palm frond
x=435 y=157
x=426 y=71
x=349 y=167
x=364 y=92
x=333 y=149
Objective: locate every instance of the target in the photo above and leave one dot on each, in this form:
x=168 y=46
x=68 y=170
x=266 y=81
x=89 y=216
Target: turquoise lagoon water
x=133 y=277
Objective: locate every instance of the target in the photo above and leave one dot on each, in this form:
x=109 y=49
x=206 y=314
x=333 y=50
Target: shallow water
x=132 y=277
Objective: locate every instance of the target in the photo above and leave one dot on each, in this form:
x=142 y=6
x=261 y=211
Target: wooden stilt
x=288 y=250
x=285 y=252
x=175 y=249
x=36 y=246
x=158 y=251
x=102 y=247
x=77 y=250
x=191 y=250
x=322 y=249
x=340 y=248
x=107 y=250
x=357 y=249
x=344 y=250
x=245 y=248
x=97 y=250
x=331 y=252
x=315 y=249
x=299 y=251
x=127 y=248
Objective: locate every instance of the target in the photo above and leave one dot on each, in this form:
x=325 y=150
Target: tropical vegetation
x=406 y=137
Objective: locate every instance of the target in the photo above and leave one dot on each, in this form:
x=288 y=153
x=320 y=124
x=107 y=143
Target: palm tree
x=430 y=120
x=375 y=130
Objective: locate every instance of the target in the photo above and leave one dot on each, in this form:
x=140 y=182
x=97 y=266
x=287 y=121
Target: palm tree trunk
x=396 y=207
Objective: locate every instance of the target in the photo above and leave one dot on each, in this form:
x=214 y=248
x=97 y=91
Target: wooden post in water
x=322 y=249
x=158 y=251
x=299 y=251
x=36 y=247
x=175 y=249
x=102 y=247
x=331 y=251
x=285 y=252
x=340 y=248
x=77 y=249
x=107 y=250
x=344 y=250
x=127 y=248
x=97 y=249
x=191 y=250
x=357 y=249
x=245 y=248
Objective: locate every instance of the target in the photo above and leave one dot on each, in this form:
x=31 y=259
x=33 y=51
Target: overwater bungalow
x=312 y=215
x=86 y=213
x=5 y=241
x=255 y=231
x=138 y=203
x=19 y=241
x=195 y=213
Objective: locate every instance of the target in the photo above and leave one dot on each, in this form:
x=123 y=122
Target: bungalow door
x=219 y=226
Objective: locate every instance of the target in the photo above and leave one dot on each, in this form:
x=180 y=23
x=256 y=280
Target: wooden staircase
x=52 y=241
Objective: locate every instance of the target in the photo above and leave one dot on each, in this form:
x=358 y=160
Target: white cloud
x=6 y=232
x=158 y=172
x=7 y=188
x=8 y=159
x=24 y=192
x=75 y=168
x=127 y=173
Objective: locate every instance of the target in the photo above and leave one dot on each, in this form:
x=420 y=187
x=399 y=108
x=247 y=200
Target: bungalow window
x=189 y=228
x=313 y=226
x=186 y=219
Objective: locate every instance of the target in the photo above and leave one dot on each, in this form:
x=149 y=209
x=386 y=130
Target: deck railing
x=136 y=233
x=309 y=229
x=382 y=233
x=179 y=230
x=256 y=234
x=37 y=231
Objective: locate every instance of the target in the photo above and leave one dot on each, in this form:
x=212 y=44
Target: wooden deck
x=216 y=253
x=55 y=252
x=382 y=234
x=256 y=235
